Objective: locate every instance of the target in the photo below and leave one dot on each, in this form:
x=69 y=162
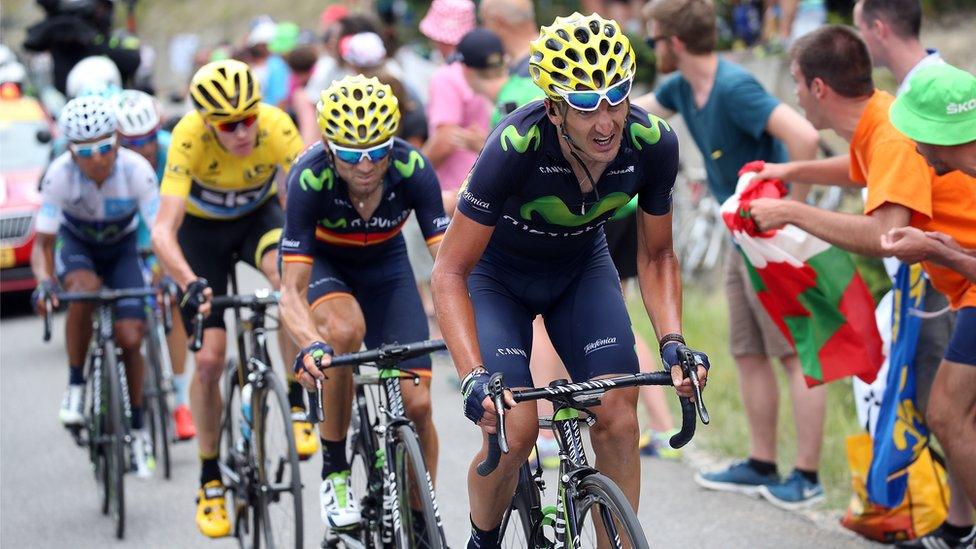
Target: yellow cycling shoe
x=211 y=512
x=306 y=439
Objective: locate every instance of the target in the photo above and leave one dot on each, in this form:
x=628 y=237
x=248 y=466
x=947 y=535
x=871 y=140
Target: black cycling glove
x=193 y=297
x=316 y=350
x=474 y=390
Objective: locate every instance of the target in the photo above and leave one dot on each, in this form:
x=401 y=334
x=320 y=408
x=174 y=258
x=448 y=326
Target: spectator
x=329 y=66
x=733 y=120
x=269 y=70
x=800 y=17
x=72 y=31
x=832 y=71
x=301 y=61
x=514 y=23
x=457 y=117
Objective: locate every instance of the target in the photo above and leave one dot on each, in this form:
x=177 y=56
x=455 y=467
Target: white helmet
x=137 y=113
x=10 y=69
x=93 y=75
x=86 y=118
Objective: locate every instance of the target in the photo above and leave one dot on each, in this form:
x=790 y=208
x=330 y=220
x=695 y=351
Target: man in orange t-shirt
x=832 y=72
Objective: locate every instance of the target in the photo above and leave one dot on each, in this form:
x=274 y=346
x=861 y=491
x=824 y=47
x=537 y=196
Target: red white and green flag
x=810 y=288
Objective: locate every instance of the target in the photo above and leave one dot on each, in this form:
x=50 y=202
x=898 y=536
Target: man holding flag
x=832 y=71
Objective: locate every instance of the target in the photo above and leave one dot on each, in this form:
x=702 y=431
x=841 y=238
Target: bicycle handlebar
x=589 y=391
x=385 y=356
x=260 y=299
x=100 y=297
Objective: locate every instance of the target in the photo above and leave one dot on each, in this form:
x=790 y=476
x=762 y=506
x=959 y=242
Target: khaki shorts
x=751 y=329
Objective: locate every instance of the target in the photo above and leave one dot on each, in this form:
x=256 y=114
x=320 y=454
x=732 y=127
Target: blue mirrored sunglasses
x=355 y=156
x=88 y=150
x=590 y=100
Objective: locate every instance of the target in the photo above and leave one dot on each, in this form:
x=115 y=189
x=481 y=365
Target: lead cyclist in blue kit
x=529 y=240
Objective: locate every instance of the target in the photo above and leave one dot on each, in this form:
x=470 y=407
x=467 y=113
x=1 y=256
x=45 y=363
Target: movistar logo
x=337 y=224
x=647 y=134
x=512 y=137
x=407 y=168
x=555 y=211
x=309 y=179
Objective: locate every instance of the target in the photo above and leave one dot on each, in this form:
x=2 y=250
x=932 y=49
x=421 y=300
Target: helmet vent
x=591 y=56
x=562 y=35
x=604 y=47
x=559 y=63
x=553 y=45
x=582 y=35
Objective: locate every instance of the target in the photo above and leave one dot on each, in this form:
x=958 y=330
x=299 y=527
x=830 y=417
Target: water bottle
x=246 y=411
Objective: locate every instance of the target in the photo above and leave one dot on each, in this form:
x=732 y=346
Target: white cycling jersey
x=98 y=214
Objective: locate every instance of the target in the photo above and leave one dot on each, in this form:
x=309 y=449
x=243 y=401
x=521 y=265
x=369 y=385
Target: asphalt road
x=48 y=495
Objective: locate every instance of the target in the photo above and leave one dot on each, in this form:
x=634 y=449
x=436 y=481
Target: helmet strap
x=573 y=147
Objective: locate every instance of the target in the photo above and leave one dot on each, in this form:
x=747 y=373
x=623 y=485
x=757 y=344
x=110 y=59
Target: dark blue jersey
x=320 y=218
x=524 y=187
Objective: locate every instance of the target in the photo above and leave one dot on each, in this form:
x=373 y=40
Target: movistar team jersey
x=320 y=218
x=524 y=187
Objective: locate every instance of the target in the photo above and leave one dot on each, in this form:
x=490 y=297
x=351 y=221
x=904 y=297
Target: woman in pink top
x=457 y=117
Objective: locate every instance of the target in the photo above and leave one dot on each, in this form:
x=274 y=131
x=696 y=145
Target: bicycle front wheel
x=605 y=517
x=115 y=446
x=419 y=520
x=522 y=520
x=156 y=407
x=280 y=484
x=235 y=457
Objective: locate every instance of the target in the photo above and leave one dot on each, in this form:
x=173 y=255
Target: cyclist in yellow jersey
x=219 y=204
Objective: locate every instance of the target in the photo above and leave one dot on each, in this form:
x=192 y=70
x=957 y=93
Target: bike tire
x=412 y=477
x=115 y=441
x=157 y=409
x=242 y=517
x=97 y=425
x=522 y=520
x=280 y=485
x=597 y=494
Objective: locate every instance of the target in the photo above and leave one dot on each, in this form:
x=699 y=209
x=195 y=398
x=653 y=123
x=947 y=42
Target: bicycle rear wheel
x=115 y=444
x=280 y=484
x=419 y=520
x=522 y=521
x=156 y=407
x=235 y=456
x=602 y=511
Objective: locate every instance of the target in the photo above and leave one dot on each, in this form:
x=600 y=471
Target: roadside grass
x=706 y=329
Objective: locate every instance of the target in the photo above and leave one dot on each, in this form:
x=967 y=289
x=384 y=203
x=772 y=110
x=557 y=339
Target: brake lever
x=500 y=410
x=690 y=368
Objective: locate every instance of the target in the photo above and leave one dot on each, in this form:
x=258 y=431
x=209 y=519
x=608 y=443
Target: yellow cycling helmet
x=358 y=111
x=580 y=53
x=225 y=90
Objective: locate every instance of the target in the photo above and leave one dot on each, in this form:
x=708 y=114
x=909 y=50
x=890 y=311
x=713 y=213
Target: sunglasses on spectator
x=231 y=127
x=590 y=100
x=88 y=150
x=137 y=142
x=355 y=156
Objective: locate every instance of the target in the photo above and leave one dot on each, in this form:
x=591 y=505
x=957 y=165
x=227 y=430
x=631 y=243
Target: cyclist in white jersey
x=86 y=236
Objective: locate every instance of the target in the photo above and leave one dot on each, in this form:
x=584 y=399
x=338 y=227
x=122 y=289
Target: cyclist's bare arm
x=800 y=137
x=458 y=253
x=164 y=242
x=297 y=316
x=42 y=255
x=649 y=103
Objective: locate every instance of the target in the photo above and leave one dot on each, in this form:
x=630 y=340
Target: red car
x=25 y=133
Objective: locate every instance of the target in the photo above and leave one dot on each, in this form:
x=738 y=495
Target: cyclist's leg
x=340 y=323
x=590 y=329
x=952 y=405
x=393 y=311
x=76 y=271
x=505 y=338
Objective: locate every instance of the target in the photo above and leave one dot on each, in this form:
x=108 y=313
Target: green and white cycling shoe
x=339 y=506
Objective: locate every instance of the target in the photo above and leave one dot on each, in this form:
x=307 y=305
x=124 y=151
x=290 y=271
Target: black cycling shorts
x=386 y=292
x=212 y=248
x=583 y=309
x=117 y=264
x=622 y=242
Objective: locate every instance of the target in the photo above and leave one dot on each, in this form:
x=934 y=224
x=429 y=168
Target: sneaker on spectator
x=657 y=444
x=942 y=538
x=794 y=493
x=737 y=477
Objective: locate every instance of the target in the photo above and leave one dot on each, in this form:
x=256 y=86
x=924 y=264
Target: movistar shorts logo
x=555 y=211
x=407 y=168
x=647 y=134
x=512 y=137
x=309 y=179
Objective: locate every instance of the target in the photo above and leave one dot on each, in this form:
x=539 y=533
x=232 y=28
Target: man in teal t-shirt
x=733 y=120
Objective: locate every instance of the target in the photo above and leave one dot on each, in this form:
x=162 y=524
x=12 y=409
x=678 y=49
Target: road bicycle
x=105 y=430
x=259 y=462
x=590 y=508
x=158 y=386
x=398 y=504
